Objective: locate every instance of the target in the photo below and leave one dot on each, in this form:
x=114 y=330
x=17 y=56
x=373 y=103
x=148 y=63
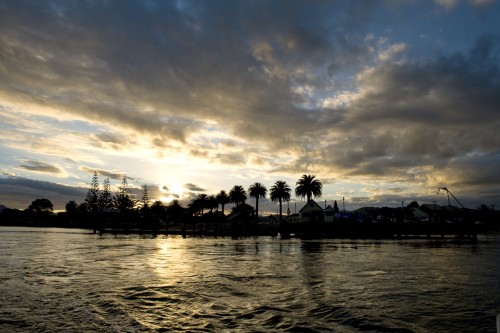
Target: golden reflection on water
x=166 y=259
x=177 y=260
x=125 y=283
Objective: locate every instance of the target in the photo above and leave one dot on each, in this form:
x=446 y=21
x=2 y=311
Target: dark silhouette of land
x=104 y=212
x=370 y=222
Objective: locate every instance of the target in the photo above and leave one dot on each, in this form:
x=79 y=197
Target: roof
x=329 y=208
x=311 y=206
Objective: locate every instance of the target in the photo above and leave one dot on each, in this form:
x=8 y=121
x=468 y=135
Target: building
x=313 y=213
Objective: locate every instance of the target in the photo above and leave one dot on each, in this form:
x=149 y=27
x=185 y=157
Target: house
x=418 y=214
x=313 y=213
x=329 y=214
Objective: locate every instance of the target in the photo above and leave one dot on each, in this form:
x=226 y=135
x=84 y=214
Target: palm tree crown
x=223 y=199
x=308 y=186
x=237 y=195
x=257 y=191
x=199 y=204
x=280 y=192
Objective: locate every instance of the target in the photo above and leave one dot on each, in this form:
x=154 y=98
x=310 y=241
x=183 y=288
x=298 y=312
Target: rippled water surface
x=54 y=280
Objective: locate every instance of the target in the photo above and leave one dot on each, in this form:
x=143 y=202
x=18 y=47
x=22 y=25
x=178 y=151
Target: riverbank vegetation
x=123 y=211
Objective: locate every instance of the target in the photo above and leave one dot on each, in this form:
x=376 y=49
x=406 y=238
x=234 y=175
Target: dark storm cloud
x=17 y=192
x=423 y=122
x=231 y=62
x=449 y=90
x=38 y=166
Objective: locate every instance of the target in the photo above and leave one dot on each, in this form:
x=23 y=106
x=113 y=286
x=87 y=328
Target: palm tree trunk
x=280 y=211
x=257 y=209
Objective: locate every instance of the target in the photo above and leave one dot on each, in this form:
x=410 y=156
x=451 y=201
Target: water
x=62 y=280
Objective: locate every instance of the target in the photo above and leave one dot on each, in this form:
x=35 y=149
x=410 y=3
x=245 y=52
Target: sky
x=383 y=101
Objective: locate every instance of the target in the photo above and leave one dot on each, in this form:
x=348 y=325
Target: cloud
x=7 y=173
x=112 y=174
x=427 y=123
x=391 y=51
x=230 y=159
x=481 y=2
x=38 y=166
x=180 y=94
x=193 y=188
x=448 y=4
x=18 y=192
x=270 y=87
x=112 y=141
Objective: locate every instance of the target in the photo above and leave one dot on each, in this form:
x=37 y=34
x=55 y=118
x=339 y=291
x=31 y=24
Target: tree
x=194 y=206
x=41 y=206
x=105 y=197
x=280 y=192
x=157 y=208
x=308 y=186
x=197 y=205
x=202 y=202
x=237 y=195
x=145 y=197
x=257 y=191
x=82 y=208
x=71 y=207
x=92 y=198
x=174 y=210
x=212 y=202
x=223 y=199
x=336 y=207
x=244 y=210
x=123 y=199
x=483 y=207
x=413 y=204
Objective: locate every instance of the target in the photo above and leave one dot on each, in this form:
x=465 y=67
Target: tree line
x=99 y=200
x=123 y=209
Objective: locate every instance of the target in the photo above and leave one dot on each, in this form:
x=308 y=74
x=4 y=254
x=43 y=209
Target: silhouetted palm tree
x=223 y=199
x=194 y=206
x=212 y=203
x=308 y=186
x=158 y=209
x=257 y=191
x=174 y=210
x=237 y=195
x=202 y=202
x=280 y=192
